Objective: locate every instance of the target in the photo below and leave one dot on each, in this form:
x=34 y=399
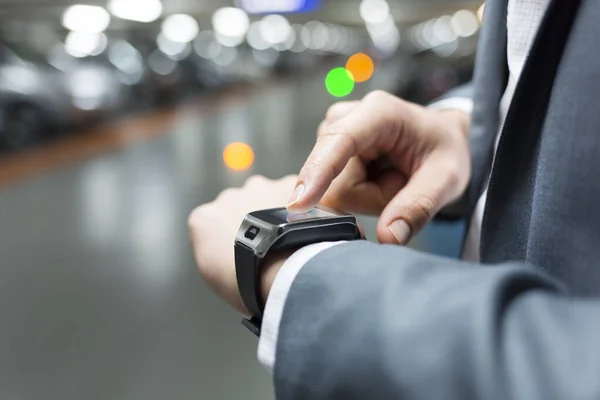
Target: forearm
x=366 y=321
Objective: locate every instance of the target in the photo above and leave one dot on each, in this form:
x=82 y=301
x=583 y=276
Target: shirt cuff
x=267 y=344
x=454 y=103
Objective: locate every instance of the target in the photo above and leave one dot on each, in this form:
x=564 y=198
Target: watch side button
x=252 y=232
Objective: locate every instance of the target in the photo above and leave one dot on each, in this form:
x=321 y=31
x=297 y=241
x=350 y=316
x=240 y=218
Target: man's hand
x=213 y=228
x=427 y=152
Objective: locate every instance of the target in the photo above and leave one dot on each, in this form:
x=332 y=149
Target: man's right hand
x=428 y=153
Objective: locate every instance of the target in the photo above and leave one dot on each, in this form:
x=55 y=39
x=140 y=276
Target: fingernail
x=298 y=192
x=400 y=230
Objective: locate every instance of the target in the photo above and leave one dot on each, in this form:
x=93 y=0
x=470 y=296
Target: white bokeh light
x=136 y=10
x=275 y=29
x=255 y=38
x=464 y=23
x=206 y=45
x=180 y=28
x=175 y=50
x=82 y=44
x=374 y=11
x=229 y=41
x=442 y=31
x=230 y=21
x=84 y=18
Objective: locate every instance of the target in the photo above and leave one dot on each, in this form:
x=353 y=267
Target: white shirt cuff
x=454 y=103
x=267 y=344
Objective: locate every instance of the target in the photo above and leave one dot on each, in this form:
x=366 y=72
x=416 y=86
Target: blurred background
x=118 y=117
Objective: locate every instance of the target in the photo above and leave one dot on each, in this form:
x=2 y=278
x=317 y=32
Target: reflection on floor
x=99 y=294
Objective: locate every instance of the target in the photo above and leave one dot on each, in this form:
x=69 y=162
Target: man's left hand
x=213 y=228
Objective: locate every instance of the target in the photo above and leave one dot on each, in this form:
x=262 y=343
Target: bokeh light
x=480 y=12
x=238 y=156
x=87 y=19
x=361 y=67
x=339 y=82
x=464 y=23
x=180 y=28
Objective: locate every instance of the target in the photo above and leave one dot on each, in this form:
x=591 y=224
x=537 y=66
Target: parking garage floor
x=99 y=294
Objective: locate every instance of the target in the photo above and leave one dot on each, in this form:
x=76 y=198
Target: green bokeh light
x=339 y=82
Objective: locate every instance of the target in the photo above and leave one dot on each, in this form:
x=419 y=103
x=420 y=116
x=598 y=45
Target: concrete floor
x=99 y=294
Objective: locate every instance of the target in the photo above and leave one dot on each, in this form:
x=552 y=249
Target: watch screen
x=278 y=216
x=316 y=213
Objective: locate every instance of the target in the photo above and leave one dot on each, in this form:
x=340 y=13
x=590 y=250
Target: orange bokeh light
x=361 y=67
x=238 y=156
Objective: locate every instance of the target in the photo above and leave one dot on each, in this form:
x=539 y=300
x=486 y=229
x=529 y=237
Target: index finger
x=349 y=136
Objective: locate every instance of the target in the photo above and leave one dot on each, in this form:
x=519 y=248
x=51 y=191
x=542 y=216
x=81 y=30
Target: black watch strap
x=248 y=277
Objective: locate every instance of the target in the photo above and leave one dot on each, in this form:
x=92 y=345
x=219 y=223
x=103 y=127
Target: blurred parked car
x=39 y=99
x=33 y=103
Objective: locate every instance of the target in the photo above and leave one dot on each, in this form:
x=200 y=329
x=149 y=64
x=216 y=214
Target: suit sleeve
x=365 y=321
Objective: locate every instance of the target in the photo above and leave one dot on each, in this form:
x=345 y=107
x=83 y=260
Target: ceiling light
x=374 y=11
x=125 y=57
x=181 y=28
x=206 y=46
x=278 y=6
x=161 y=64
x=136 y=10
x=226 y=56
x=464 y=23
x=288 y=43
x=255 y=38
x=170 y=47
x=82 y=44
x=442 y=31
x=230 y=21
x=229 y=41
x=320 y=37
x=82 y=18
x=298 y=41
x=275 y=29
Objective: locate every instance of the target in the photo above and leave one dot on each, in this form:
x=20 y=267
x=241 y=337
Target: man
x=364 y=321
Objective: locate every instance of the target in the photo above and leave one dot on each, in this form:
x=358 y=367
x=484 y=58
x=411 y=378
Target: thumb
x=431 y=187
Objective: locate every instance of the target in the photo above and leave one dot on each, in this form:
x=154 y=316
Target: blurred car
x=39 y=98
x=33 y=103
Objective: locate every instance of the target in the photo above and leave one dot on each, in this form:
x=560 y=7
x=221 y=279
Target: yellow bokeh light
x=361 y=67
x=238 y=156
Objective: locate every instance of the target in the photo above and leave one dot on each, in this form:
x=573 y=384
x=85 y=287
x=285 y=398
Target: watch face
x=278 y=216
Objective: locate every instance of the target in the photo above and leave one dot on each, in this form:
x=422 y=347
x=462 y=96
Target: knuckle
x=256 y=180
x=226 y=194
x=194 y=217
x=334 y=111
x=424 y=208
x=378 y=96
x=197 y=219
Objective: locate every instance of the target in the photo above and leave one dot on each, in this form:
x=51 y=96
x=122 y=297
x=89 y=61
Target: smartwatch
x=267 y=231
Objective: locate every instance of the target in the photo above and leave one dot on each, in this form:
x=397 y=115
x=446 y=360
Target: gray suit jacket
x=365 y=321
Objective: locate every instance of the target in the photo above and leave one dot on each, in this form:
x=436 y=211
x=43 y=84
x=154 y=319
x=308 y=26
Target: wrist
x=269 y=270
